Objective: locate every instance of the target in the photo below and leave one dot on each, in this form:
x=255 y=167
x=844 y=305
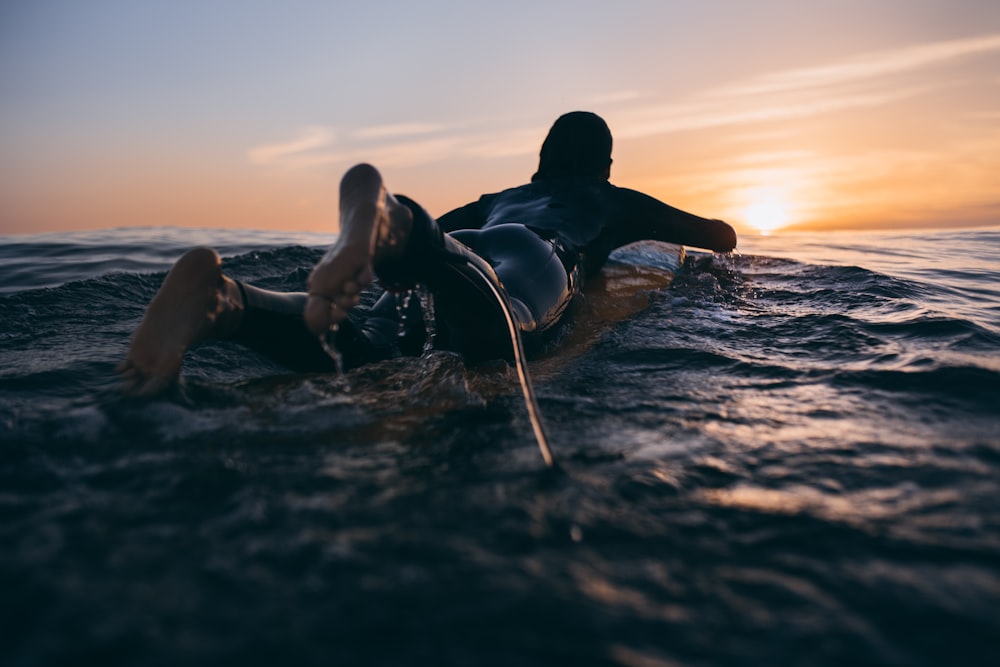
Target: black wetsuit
x=541 y=239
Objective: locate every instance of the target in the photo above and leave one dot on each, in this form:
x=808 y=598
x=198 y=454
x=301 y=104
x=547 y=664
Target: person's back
x=583 y=215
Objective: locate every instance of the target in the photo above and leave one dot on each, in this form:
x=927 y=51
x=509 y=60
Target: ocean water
x=790 y=456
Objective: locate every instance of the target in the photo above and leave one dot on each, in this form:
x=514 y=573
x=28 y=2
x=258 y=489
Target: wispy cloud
x=309 y=139
x=401 y=145
x=303 y=155
x=867 y=81
x=397 y=130
x=868 y=66
x=705 y=115
x=616 y=97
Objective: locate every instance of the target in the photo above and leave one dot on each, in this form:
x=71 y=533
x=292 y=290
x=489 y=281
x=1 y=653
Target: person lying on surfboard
x=530 y=247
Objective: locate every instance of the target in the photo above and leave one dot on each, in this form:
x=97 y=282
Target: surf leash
x=521 y=363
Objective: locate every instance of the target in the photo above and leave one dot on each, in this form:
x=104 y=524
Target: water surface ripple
x=790 y=457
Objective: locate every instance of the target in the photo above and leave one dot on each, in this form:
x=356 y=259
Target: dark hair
x=578 y=145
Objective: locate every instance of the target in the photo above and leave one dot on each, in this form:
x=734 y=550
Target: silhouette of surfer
x=537 y=243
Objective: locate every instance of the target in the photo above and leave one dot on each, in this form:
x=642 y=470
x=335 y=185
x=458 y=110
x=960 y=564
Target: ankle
x=404 y=252
x=232 y=305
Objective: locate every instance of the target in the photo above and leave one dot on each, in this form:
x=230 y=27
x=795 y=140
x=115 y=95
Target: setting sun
x=767 y=211
x=105 y=127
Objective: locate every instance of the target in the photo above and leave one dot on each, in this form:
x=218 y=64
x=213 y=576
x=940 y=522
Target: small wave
x=970 y=385
x=49 y=260
x=775 y=460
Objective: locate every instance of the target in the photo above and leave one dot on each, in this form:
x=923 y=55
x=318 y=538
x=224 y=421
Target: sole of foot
x=373 y=226
x=193 y=302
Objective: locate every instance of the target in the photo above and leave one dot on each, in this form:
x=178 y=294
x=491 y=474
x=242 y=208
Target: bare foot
x=373 y=227
x=195 y=302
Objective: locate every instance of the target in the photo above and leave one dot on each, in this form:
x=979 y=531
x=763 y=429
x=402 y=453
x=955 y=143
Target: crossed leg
x=374 y=227
x=198 y=302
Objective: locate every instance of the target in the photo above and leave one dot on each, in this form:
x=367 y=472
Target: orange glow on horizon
x=834 y=121
x=767 y=211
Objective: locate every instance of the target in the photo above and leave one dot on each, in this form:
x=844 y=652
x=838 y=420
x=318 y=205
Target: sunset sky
x=236 y=113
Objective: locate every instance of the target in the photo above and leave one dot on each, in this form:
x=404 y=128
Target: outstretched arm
x=649 y=218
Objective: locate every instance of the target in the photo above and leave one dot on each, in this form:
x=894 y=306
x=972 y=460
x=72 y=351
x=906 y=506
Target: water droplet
x=427 y=308
x=326 y=341
x=402 y=305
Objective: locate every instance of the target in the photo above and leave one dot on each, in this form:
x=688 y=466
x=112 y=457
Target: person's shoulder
x=625 y=192
x=513 y=193
x=523 y=187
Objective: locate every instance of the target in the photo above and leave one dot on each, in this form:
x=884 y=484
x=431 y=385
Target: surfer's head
x=578 y=145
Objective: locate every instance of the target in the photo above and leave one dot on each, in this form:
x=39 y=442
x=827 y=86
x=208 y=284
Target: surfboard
x=390 y=400
x=633 y=276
